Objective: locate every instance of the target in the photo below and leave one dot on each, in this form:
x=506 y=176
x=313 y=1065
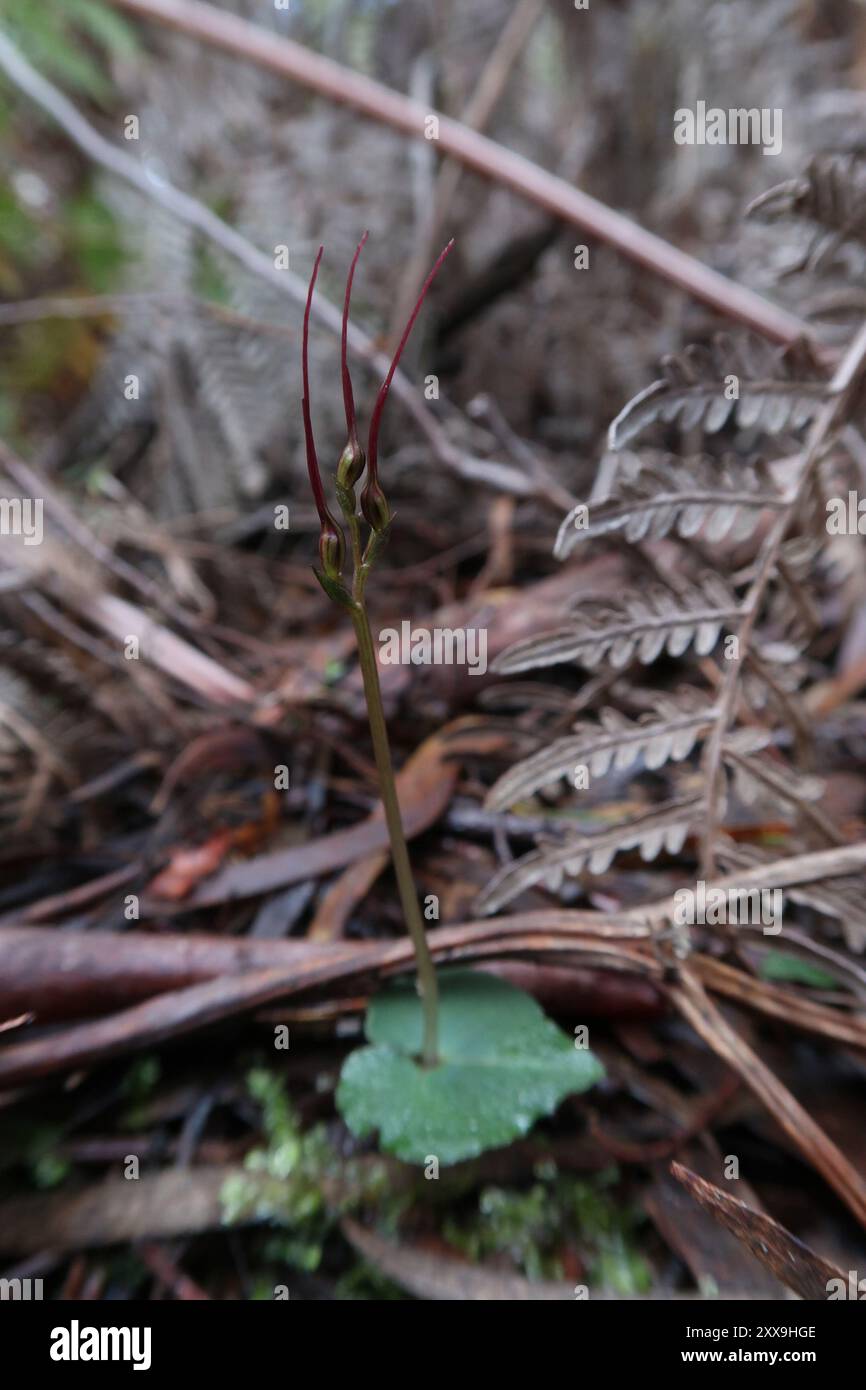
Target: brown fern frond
x=754 y=386
x=667 y=736
x=686 y=496
x=663 y=828
x=839 y=898
x=758 y=779
x=520 y=695
x=641 y=627
x=831 y=194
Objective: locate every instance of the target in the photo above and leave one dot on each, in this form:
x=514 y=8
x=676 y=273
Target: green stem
x=427 y=982
x=346 y=498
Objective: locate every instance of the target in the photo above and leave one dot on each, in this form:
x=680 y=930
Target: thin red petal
x=376 y=418
x=312 y=460
x=348 y=394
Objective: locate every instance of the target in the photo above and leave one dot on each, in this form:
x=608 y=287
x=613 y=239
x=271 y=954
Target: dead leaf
x=798 y=1267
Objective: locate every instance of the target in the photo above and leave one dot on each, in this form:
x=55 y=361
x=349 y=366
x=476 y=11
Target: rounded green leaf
x=502 y=1065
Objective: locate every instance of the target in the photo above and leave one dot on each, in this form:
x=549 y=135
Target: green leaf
x=111 y=31
x=778 y=965
x=335 y=589
x=20 y=233
x=45 y=36
x=503 y=1064
x=68 y=41
x=95 y=241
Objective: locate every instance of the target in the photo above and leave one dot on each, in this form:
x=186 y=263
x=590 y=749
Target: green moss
x=532 y=1227
x=364 y=1282
x=136 y=1089
x=49 y=1170
x=300 y=1184
x=30 y=1144
x=296 y=1180
x=94 y=240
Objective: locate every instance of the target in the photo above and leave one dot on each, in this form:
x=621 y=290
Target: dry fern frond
x=842 y=900
x=776 y=604
x=520 y=695
x=757 y=779
x=668 y=493
x=777 y=674
x=663 y=828
x=831 y=194
x=839 y=898
x=756 y=386
x=641 y=628
x=667 y=736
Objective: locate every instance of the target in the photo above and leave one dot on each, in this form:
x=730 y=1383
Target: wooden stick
x=817 y=1149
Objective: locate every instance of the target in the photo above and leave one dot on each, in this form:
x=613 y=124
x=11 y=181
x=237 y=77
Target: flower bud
x=351 y=465
x=376 y=511
x=332 y=548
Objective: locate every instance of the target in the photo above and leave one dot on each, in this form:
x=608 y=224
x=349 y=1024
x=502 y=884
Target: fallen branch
x=181 y=1201
x=180 y=1011
x=817 y=1149
x=797 y=1011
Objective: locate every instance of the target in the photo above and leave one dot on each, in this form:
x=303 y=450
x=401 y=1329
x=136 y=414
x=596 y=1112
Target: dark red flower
x=370 y=497
x=352 y=460
x=332 y=545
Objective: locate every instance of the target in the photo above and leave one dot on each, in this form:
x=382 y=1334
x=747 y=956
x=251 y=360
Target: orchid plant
x=468 y=1062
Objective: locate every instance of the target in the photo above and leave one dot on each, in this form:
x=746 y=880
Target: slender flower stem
x=427 y=982
x=377 y=513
